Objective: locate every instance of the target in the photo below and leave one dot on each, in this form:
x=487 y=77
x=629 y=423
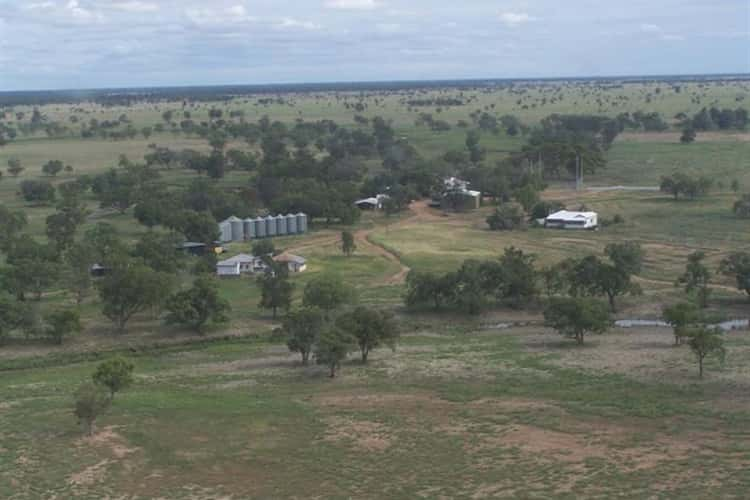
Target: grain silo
x=238 y=229
x=291 y=224
x=249 y=228
x=281 y=228
x=225 y=231
x=260 y=228
x=301 y=223
x=270 y=226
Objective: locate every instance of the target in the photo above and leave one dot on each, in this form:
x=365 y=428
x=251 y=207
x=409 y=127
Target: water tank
x=249 y=228
x=225 y=231
x=260 y=228
x=281 y=228
x=270 y=226
x=291 y=224
x=301 y=223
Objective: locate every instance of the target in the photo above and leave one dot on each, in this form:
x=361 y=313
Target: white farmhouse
x=572 y=220
x=240 y=264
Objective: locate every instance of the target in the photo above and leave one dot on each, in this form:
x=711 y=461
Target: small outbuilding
x=192 y=248
x=99 y=271
x=572 y=220
x=374 y=203
x=295 y=263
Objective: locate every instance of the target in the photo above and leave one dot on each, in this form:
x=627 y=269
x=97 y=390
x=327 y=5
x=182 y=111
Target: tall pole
x=580 y=162
x=540 y=165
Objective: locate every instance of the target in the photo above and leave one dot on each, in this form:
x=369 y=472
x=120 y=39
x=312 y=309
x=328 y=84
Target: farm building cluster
x=251 y=264
x=456 y=195
x=236 y=229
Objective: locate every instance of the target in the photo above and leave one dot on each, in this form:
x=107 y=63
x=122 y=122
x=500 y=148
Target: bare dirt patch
x=109 y=439
x=90 y=475
x=646 y=354
x=362 y=434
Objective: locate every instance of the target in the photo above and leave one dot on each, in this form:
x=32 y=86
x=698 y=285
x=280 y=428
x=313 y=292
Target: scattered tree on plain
x=688 y=135
x=680 y=317
x=62 y=324
x=198 y=305
x=276 y=290
x=37 y=192
x=128 y=289
x=576 y=317
x=303 y=329
x=14 y=166
x=333 y=346
x=90 y=401
x=370 y=328
x=348 y=246
x=507 y=217
x=326 y=292
x=52 y=168
x=115 y=375
x=737 y=265
x=12 y=315
x=741 y=207
x=696 y=277
x=705 y=341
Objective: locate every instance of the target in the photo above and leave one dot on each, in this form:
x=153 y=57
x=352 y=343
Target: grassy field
x=668 y=230
x=455 y=412
x=462 y=409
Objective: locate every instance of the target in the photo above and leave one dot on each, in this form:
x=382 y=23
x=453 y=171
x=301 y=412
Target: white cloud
x=388 y=27
x=80 y=13
x=236 y=14
x=658 y=31
x=39 y=5
x=513 y=19
x=237 y=11
x=135 y=6
x=352 y=4
x=292 y=23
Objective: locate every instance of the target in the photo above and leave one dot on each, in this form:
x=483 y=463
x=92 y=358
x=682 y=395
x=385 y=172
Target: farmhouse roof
x=566 y=215
x=288 y=257
x=242 y=258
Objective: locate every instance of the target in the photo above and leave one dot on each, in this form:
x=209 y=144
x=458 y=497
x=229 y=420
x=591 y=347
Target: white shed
x=295 y=263
x=572 y=220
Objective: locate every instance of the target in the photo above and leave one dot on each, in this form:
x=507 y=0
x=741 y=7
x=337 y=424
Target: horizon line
x=653 y=77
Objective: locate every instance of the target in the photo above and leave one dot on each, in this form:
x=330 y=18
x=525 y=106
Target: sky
x=53 y=44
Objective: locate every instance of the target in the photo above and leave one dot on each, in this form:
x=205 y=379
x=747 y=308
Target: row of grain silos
x=236 y=229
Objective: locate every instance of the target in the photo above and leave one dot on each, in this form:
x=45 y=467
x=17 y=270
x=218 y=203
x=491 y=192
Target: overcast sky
x=104 y=43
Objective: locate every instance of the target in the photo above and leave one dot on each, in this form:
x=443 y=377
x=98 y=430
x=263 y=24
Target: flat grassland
x=458 y=411
x=463 y=408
